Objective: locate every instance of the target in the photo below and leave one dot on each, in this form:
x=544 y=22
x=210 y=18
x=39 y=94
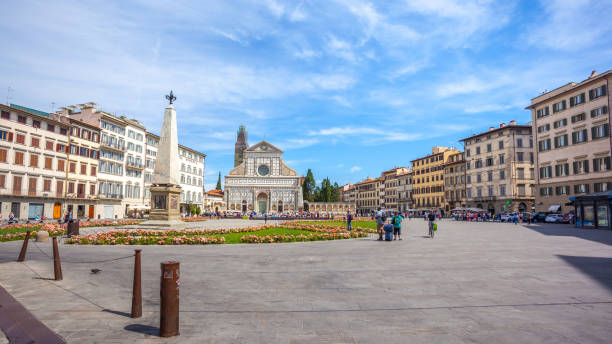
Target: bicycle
x=431 y=229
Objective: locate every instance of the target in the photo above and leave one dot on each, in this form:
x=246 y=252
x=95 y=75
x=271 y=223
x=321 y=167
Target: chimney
x=491 y=128
x=512 y=122
x=593 y=74
x=502 y=125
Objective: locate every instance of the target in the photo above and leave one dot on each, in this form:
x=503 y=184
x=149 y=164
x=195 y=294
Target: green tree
x=308 y=187
x=219 y=182
x=335 y=193
x=191 y=209
x=198 y=210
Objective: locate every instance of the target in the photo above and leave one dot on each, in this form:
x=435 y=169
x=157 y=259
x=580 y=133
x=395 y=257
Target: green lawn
x=17 y=230
x=356 y=224
x=234 y=238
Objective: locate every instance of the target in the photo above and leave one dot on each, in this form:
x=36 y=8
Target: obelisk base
x=164 y=206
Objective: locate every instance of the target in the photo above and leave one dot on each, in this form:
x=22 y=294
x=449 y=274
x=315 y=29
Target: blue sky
x=348 y=88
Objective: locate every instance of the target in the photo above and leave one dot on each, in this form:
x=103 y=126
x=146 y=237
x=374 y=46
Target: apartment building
x=135 y=148
x=428 y=188
x=213 y=201
x=454 y=181
x=48 y=165
x=368 y=196
x=404 y=191
x=348 y=193
x=390 y=183
x=571 y=125
x=500 y=169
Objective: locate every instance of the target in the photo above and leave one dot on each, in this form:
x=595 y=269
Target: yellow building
x=428 y=179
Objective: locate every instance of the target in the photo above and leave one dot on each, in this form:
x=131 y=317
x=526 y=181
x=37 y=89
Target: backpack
x=383 y=218
x=396 y=220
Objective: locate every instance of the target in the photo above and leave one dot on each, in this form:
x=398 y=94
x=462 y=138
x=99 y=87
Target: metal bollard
x=24 y=248
x=57 y=265
x=169 y=295
x=137 y=289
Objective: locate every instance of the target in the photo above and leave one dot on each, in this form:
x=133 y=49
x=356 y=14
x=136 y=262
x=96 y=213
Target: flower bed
x=193 y=219
x=108 y=223
x=18 y=232
x=260 y=234
x=364 y=226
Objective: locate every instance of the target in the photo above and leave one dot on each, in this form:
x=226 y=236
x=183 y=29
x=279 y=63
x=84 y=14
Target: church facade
x=262 y=182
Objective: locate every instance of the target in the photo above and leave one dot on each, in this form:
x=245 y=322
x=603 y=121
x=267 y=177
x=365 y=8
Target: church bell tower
x=241 y=145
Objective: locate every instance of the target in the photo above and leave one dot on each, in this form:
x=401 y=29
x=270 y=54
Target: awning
x=554 y=208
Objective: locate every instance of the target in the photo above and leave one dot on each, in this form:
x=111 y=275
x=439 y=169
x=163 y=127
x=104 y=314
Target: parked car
x=553 y=218
x=539 y=216
x=504 y=217
x=568 y=218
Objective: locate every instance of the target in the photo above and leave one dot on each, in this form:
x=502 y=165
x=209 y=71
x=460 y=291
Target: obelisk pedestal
x=166 y=191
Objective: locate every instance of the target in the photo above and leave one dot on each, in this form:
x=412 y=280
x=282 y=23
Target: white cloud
x=468 y=85
x=306 y=54
x=487 y=108
x=368 y=135
x=355 y=169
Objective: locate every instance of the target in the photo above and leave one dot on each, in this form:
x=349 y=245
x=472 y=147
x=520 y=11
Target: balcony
x=111 y=196
x=114 y=146
x=485 y=199
x=135 y=164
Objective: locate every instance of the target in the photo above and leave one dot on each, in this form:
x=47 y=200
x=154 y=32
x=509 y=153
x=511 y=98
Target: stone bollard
x=42 y=236
x=169 y=295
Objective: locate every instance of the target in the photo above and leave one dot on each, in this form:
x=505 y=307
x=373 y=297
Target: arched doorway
x=280 y=206
x=262 y=202
x=306 y=206
x=522 y=207
x=244 y=206
x=491 y=208
x=479 y=206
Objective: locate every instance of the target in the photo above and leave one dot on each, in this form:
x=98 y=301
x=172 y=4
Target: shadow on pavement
x=601 y=236
x=116 y=312
x=144 y=329
x=598 y=268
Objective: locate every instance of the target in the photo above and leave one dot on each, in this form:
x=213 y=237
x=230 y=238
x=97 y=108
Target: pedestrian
x=380 y=221
x=397 y=226
x=11 y=217
x=349 y=219
x=266 y=218
x=66 y=217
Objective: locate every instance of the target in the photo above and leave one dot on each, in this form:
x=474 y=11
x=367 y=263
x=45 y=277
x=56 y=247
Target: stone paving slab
x=473 y=283
x=208 y=224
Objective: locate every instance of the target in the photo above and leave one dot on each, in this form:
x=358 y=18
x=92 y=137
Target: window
x=490 y=176
x=502 y=174
x=519 y=156
x=577 y=100
x=59 y=187
x=600 y=131
x=543 y=128
x=92 y=189
x=469 y=193
x=2 y=180
x=21 y=119
x=3 y=154
x=36 y=124
x=93 y=170
x=544 y=145
x=491 y=191
x=70 y=187
x=6 y=115
x=83 y=169
x=49 y=145
x=501 y=159
x=579 y=136
x=520 y=173
x=562 y=170
x=542 y=112
x=60 y=165
x=47 y=185
x=599 y=111
x=561 y=141
x=478 y=178
x=20 y=139
x=546 y=191
x=488 y=147
x=469 y=180
x=72 y=167
x=519 y=143
x=502 y=190
x=467 y=152
x=478 y=192
x=477 y=150
x=32 y=186
x=63 y=131
x=18 y=158
x=579 y=117
x=597 y=92
x=560 y=106
x=601 y=164
x=501 y=144
x=562 y=190
x=48 y=163
x=560 y=123
x=546 y=172
x=581 y=188
x=35 y=142
x=50 y=127
x=599 y=187
x=581 y=166
x=489 y=162
x=16 y=185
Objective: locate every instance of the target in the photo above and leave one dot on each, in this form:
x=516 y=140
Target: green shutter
x=591 y=94
x=595 y=166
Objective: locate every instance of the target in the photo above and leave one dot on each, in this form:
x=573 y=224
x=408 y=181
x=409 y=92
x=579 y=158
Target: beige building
x=454 y=181
x=213 y=201
x=404 y=191
x=348 y=193
x=390 y=184
x=368 y=196
x=428 y=189
x=499 y=169
x=571 y=128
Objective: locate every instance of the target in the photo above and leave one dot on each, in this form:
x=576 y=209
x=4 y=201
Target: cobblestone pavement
x=208 y=224
x=472 y=283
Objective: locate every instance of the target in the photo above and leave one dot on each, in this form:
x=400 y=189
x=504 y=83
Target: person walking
x=266 y=217
x=397 y=226
x=380 y=221
x=349 y=219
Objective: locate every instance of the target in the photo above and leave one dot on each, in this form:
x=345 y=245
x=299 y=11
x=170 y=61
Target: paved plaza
x=473 y=283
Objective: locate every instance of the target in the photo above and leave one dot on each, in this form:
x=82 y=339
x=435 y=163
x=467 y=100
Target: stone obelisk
x=166 y=191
